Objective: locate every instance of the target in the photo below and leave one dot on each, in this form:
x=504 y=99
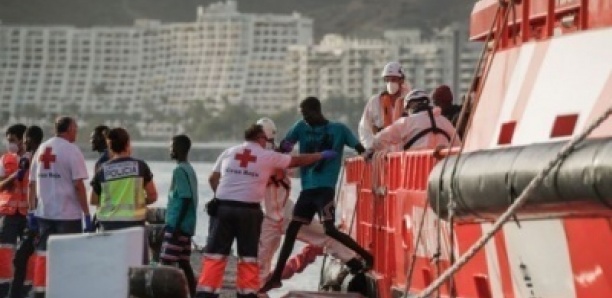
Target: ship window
x=506 y=133
x=564 y=125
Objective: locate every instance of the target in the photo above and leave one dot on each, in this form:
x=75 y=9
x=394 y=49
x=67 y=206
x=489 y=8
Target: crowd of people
x=43 y=191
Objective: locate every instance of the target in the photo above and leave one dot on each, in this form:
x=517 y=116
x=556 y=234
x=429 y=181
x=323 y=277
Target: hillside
x=348 y=17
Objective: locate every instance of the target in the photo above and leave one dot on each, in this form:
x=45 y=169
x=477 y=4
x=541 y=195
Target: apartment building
x=223 y=56
x=349 y=67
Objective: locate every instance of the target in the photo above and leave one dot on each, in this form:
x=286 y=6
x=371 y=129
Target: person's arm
x=94 y=199
x=79 y=187
x=151 y=192
x=32 y=196
x=387 y=137
x=213 y=180
x=366 y=125
x=351 y=141
x=149 y=185
x=7 y=182
x=6 y=178
x=304 y=159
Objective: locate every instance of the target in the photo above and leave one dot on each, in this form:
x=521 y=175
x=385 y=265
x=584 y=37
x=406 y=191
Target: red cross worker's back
x=245 y=157
x=47 y=158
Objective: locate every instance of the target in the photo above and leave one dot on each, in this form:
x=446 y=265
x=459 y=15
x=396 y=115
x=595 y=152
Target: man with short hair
x=239 y=181
x=384 y=108
x=33 y=138
x=181 y=211
x=57 y=196
x=278 y=207
x=13 y=203
x=315 y=133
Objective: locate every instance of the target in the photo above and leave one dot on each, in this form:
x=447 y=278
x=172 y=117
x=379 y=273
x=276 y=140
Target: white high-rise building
x=224 y=55
x=348 y=67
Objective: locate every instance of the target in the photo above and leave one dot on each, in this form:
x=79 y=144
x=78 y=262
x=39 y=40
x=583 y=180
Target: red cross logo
x=47 y=158
x=245 y=158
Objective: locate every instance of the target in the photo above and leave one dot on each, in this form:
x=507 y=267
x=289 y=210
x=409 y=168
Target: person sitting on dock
x=423 y=128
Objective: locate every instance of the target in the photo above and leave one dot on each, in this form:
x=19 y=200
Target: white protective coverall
x=395 y=136
x=278 y=208
x=373 y=116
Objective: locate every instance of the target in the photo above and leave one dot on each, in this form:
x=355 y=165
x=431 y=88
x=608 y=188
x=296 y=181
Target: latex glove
x=286 y=146
x=329 y=154
x=20 y=174
x=89 y=227
x=32 y=221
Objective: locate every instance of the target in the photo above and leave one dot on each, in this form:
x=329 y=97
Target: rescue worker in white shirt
x=384 y=108
x=423 y=128
x=13 y=203
x=57 y=196
x=278 y=208
x=239 y=181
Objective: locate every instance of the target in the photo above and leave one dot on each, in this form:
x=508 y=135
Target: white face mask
x=393 y=87
x=12 y=148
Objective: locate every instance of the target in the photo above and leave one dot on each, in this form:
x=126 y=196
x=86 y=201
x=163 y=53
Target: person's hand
x=32 y=221
x=286 y=146
x=368 y=154
x=20 y=174
x=171 y=230
x=89 y=227
x=329 y=154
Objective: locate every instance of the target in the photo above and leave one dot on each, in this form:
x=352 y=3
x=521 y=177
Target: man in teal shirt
x=314 y=134
x=181 y=211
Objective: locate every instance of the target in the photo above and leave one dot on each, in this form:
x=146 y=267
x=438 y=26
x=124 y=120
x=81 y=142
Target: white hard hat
x=269 y=127
x=416 y=94
x=392 y=69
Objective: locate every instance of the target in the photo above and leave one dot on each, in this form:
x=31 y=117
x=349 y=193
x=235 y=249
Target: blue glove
x=20 y=174
x=32 y=221
x=89 y=227
x=329 y=154
x=286 y=146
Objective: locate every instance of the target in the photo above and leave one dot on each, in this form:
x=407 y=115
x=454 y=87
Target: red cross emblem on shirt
x=47 y=158
x=245 y=157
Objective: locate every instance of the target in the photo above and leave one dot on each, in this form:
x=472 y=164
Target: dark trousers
x=20 y=265
x=46 y=228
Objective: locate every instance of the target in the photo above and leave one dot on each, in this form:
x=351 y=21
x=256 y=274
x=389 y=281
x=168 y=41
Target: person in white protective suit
x=423 y=128
x=278 y=209
x=384 y=108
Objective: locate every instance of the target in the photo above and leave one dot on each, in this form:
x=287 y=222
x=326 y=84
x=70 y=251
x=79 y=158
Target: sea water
x=162 y=173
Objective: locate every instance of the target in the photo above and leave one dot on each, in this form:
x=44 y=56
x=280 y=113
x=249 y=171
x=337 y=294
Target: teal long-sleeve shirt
x=311 y=139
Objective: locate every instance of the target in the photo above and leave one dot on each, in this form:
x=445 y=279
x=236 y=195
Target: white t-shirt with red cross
x=245 y=170
x=55 y=167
